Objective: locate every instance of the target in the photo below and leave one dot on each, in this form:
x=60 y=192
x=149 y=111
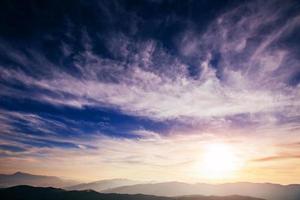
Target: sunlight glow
x=219 y=161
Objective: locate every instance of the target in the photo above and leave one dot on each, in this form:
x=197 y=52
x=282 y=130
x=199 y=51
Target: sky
x=195 y=91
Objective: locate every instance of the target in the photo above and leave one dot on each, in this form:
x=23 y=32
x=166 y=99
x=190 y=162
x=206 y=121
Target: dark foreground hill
x=38 y=193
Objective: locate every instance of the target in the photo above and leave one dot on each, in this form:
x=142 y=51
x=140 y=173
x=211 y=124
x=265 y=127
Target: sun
x=219 y=161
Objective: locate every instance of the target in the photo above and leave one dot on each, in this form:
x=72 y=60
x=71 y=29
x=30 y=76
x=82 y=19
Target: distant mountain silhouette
x=103 y=184
x=20 y=178
x=37 y=193
x=259 y=190
x=166 y=189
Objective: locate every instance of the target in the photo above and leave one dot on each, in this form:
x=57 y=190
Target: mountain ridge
x=270 y=191
x=103 y=184
x=22 y=178
x=261 y=190
x=50 y=193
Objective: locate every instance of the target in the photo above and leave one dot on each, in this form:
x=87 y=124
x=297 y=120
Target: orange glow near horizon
x=193 y=158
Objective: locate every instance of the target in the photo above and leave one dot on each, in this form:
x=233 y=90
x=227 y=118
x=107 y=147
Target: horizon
x=158 y=90
x=145 y=182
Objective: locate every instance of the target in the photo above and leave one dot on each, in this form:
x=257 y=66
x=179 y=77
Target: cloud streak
x=149 y=81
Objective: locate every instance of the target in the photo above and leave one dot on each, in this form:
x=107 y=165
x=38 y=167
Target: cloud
x=173 y=157
x=145 y=79
x=277 y=157
x=146 y=93
x=152 y=155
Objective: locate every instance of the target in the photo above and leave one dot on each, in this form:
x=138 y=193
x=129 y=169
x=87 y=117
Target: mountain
x=103 y=184
x=20 y=178
x=259 y=190
x=37 y=193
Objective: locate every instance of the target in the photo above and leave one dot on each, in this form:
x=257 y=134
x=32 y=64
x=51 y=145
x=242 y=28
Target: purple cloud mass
x=240 y=65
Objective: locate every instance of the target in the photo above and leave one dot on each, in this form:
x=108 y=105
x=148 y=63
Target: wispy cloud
x=149 y=81
x=277 y=157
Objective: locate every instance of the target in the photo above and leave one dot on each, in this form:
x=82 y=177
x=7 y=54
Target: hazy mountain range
x=35 y=193
x=103 y=184
x=166 y=189
x=21 y=178
x=260 y=190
